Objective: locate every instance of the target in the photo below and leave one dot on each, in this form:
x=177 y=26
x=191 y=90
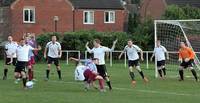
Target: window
x=109 y=17
x=1 y=15
x=88 y=17
x=29 y=15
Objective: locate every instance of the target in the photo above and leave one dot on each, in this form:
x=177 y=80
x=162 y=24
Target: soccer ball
x=29 y=84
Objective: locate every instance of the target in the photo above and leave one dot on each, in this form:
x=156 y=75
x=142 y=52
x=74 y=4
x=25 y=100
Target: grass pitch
x=69 y=91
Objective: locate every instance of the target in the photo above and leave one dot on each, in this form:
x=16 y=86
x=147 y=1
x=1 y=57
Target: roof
x=193 y=3
x=96 y=4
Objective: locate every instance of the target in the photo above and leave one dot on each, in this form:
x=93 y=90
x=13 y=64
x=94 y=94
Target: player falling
x=88 y=73
x=186 y=57
x=54 y=53
x=133 y=60
x=99 y=52
x=159 y=53
x=10 y=55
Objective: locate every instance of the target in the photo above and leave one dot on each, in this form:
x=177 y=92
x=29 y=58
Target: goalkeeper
x=186 y=57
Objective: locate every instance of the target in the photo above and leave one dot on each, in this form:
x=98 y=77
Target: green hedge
x=77 y=40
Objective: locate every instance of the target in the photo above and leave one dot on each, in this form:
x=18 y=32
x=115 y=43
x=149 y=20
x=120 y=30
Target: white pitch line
x=140 y=90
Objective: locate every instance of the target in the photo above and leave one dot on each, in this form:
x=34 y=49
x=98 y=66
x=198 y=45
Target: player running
x=10 y=55
x=22 y=53
x=133 y=60
x=88 y=73
x=99 y=52
x=54 y=53
x=186 y=57
x=159 y=53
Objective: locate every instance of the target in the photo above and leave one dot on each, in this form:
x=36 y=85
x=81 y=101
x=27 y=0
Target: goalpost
x=171 y=33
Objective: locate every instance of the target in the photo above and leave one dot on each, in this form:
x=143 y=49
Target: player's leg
x=164 y=68
x=108 y=82
x=6 y=68
x=30 y=76
x=181 y=73
x=101 y=82
x=49 y=62
x=137 y=65
x=56 y=62
x=131 y=73
x=159 y=67
x=194 y=73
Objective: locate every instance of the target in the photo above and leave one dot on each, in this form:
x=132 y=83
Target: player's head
x=27 y=38
x=158 y=42
x=10 y=39
x=182 y=45
x=95 y=60
x=22 y=42
x=130 y=42
x=96 y=42
x=54 y=38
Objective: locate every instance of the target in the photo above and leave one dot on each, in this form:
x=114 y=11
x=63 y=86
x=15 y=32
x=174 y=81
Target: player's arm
x=152 y=56
x=45 y=52
x=74 y=59
x=87 y=47
x=114 y=44
x=141 y=52
x=60 y=51
x=37 y=49
x=180 y=56
x=119 y=57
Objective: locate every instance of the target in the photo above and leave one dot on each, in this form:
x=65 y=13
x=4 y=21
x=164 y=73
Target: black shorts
x=161 y=63
x=9 y=59
x=190 y=63
x=20 y=66
x=51 y=60
x=133 y=63
x=101 y=69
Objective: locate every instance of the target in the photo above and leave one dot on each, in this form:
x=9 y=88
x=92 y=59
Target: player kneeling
x=186 y=57
x=88 y=73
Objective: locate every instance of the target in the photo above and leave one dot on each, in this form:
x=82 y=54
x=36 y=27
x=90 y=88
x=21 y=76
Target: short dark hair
x=97 y=41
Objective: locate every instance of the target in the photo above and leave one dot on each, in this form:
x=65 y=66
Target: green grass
x=69 y=91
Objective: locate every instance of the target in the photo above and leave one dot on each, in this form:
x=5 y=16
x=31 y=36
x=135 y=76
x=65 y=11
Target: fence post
x=85 y=54
x=125 y=59
x=147 y=57
x=111 y=58
x=67 y=57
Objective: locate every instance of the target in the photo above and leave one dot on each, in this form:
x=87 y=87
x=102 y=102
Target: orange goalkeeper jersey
x=186 y=53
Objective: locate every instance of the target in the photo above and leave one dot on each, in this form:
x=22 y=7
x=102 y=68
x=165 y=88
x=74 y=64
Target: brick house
x=156 y=8
x=39 y=16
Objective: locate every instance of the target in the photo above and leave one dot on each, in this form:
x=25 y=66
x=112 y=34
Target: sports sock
x=47 y=73
x=101 y=84
x=194 y=74
x=109 y=85
x=24 y=82
x=5 y=72
x=59 y=74
x=142 y=75
x=181 y=74
x=160 y=73
x=164 y=71
x=132 y=75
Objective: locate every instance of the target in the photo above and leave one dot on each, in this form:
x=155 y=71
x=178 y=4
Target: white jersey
x=22 y=53
x=11 y=49
x=99 y=53
x=160 y=53
x=53 y=49
x=132 y=52
x=79 y=72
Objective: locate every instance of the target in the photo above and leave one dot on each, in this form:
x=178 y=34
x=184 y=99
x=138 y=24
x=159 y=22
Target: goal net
x=171 y=33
